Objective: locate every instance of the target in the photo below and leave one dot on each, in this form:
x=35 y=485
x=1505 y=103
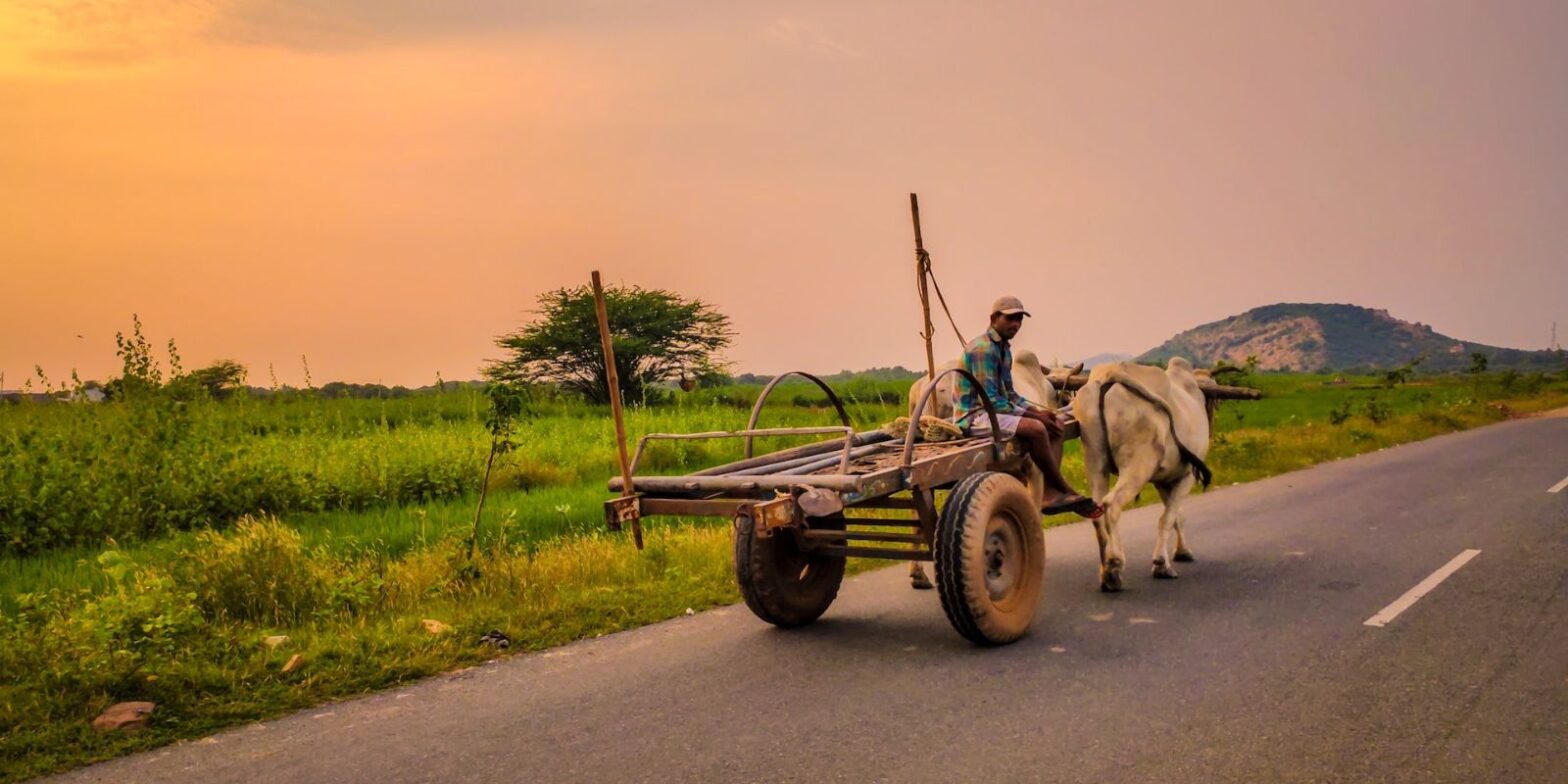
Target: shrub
x=1377 y=411
x=259 y=572
x=1508 y=380
x=99 y=647
x=1339 y=414
x=1532 y=384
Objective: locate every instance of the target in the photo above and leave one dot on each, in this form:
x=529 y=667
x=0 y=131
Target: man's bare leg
x=1047 y=456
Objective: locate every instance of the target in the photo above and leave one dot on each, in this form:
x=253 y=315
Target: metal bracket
x=781 y=512
x=622 y=510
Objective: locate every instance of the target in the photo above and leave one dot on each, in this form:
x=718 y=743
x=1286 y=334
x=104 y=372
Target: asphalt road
x=1256 y=665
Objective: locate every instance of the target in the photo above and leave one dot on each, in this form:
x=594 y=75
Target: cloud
x=334 y=24
x=338 y=24
x=102 y=33
x=798 y=34
x=105 y=33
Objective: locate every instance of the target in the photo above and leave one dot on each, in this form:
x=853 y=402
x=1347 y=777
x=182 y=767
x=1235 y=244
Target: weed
x=1341 y=413
x=1376 y=411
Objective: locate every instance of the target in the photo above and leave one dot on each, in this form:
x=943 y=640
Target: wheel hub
x=1003 y=556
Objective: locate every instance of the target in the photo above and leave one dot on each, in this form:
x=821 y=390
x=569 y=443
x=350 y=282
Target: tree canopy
x=221 y=379
x=658 y=336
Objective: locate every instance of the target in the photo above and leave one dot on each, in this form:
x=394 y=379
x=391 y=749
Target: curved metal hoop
x=920 y=408
x=756 y=410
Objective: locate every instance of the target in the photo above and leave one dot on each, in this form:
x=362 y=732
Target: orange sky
x=385 y=185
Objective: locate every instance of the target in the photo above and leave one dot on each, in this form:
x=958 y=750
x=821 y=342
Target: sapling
x=508 y=403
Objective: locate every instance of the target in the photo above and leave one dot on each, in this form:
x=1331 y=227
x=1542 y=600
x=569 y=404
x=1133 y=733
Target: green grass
x=84 y=474
x=176 y=614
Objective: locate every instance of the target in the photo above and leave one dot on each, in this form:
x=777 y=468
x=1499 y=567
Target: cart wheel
x=990 y=558
x=783 y=584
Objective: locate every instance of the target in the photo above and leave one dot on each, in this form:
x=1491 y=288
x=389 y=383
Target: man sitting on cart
x=989 y=358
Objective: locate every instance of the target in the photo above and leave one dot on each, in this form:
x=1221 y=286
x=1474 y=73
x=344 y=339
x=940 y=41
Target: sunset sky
x=386 y=185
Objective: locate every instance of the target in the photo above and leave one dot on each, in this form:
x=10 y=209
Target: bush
x=101 y=648
x=1377 y=411
x=259 y=572
x=1508 y=380
x=1340 y=414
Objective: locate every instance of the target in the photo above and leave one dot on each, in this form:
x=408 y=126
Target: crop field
x=149 y=549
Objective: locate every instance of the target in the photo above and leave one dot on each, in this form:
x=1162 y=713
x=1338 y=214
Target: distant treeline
x=894 y=373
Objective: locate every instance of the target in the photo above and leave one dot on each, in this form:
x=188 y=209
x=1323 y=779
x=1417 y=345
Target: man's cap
x=1007 y=306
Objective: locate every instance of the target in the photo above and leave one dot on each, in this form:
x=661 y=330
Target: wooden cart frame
x=788 y=510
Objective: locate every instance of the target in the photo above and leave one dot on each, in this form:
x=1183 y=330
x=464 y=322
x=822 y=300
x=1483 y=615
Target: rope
x=925 y=266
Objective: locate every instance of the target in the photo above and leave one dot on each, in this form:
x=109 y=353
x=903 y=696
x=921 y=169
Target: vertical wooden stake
x=921 y=284
x=614 y=381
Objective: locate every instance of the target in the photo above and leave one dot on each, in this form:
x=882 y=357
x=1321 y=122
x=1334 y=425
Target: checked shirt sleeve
x=983 y=359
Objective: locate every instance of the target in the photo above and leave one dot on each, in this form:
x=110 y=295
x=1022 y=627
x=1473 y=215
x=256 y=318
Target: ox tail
x=1105 y=428
x=1200 y=469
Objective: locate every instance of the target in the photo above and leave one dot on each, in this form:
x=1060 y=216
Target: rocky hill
x=1317 y=336
x=1104 y=359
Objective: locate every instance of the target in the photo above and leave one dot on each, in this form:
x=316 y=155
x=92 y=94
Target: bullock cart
x=798 y=513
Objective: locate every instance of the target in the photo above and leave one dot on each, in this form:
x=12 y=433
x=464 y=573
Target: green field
x=147 y=548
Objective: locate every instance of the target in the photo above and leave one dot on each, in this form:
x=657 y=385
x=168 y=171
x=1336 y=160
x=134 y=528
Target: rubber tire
x=961 y=536
x=782 y=584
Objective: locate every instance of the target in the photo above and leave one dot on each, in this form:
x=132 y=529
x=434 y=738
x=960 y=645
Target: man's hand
x=1047 y=418
x=1052 y=426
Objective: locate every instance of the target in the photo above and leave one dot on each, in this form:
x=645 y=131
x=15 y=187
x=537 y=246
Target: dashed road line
x=1422 y=588
x=1557 y=488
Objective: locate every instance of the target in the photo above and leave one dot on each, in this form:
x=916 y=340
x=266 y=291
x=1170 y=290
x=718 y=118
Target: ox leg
x=1179 y=522
x=1135 y=473
x=917 y=577
x=1179 y=518
x=1168 y=516
x=1099 y=488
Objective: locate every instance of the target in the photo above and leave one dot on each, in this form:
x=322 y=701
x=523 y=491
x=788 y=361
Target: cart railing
x=762 y=397
x=920 y=409
x=847 y=431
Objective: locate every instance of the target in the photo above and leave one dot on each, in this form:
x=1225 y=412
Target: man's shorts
x=980 y=425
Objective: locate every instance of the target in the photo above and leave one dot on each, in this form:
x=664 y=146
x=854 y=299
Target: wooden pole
x=921 y=285
x=614 y=382
x=1210 y=390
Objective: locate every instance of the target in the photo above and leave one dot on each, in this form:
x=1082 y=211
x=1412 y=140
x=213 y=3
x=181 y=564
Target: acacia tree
x=221 y=379
x=658 y=336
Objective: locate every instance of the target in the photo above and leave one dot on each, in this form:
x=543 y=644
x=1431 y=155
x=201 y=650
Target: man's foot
x=1049 y=498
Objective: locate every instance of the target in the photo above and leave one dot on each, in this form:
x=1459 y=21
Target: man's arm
x=986 y=367
x=1015 y=400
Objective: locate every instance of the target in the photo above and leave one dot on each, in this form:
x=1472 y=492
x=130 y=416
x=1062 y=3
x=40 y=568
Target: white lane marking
x=1557 y=488
x=1422 y=588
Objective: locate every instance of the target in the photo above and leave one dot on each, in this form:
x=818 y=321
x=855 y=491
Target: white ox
x=1142 y=424
x=1031 y=380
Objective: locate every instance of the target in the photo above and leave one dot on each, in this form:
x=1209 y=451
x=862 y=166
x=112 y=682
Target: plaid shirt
x=990 y=359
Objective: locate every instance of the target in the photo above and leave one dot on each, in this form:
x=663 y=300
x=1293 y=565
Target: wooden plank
x=864 y=536
x=720 y=484
x=1209 y=387
x=694 y=507
x=951 y=466
x=890 y=553
x=804 y=450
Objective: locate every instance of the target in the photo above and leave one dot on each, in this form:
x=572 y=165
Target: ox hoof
x=1184 y=556
x=920 y=582
x=1163 y=571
